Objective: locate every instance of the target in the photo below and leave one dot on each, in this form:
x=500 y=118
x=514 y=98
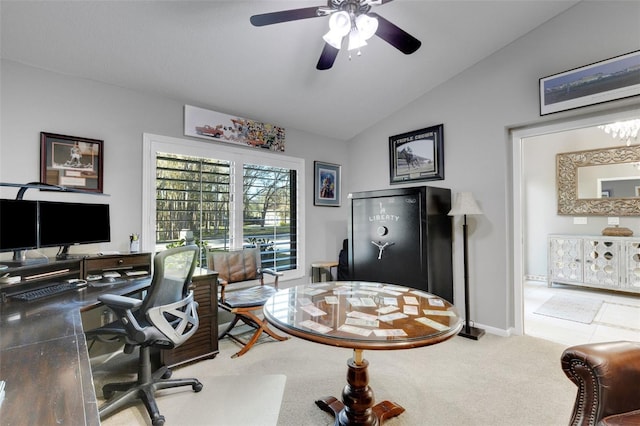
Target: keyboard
x=46 y=291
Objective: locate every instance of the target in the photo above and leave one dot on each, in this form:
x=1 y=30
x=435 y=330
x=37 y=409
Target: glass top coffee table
x=362 y=315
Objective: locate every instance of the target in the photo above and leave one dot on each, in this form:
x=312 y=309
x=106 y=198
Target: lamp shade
x=464 y=204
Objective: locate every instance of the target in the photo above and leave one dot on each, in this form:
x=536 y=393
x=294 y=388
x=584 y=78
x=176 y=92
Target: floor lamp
x=465 y=205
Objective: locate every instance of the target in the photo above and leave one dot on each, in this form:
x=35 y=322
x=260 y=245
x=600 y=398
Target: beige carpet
x=514 y=381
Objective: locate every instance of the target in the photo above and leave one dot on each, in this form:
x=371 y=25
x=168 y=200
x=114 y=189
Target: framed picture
x=604 y=81
x=417 y=155
x=326 y=184
x=205 y=124
x=71 y=161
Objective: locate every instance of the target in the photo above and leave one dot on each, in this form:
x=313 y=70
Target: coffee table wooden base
x=356 y=407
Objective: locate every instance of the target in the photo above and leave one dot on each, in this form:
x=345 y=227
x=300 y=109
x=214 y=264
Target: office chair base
x=144 y=388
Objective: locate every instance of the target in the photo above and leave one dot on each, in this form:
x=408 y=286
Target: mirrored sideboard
x=611 y=263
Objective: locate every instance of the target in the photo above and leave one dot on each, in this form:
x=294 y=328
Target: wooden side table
x=204 y=343
x=321 y=271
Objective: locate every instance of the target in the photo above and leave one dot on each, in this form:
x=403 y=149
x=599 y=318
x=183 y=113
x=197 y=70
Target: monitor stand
x=20 y=259
x=63 y=254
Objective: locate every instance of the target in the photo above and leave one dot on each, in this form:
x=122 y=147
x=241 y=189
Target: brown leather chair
x=234 y=269
x=608 y=379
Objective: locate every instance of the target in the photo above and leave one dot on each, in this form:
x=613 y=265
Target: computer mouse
x=110 y=279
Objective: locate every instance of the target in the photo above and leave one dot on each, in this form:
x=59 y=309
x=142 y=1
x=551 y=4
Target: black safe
x=402 y=236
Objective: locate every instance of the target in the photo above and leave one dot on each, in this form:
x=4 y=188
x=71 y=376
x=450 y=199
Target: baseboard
x=541 y=278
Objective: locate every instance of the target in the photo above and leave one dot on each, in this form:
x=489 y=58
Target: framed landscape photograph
x=604 y=81
x=417 y=155
x=71 y=161
x=326 y=184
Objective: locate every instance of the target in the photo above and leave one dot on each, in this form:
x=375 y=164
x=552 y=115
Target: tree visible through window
x=197 y=195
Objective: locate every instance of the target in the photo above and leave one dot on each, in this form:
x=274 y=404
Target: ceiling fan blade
x=283 y=16
x=327 y=57
x=376 y=2
x=395 y=36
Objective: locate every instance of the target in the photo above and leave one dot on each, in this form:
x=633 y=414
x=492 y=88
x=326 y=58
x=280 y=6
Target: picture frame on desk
x=71 y=161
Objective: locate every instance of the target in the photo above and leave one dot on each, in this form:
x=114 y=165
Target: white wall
x=34 y=100
x=477 y=108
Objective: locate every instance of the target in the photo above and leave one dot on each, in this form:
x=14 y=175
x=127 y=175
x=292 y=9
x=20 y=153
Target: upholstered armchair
x=608 y=380
x=237 y=270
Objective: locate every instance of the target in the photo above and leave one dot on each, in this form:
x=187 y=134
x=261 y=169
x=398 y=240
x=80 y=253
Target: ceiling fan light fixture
x=339 y=26
x=356 y=40
x=333 y=39
x=367 y=26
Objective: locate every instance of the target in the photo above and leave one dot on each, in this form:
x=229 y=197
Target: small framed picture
x=71 y=161
x=417 y=155
x=326 y=184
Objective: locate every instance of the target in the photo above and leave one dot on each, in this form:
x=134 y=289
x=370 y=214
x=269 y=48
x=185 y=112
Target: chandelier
x=623 y=130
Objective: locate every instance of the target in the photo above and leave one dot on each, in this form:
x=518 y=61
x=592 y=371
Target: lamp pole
x=468 y=331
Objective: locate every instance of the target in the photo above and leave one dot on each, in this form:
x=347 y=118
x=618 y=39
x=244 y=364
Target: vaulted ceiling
x=206 y=53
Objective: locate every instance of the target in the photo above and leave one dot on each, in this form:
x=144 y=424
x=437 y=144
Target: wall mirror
x=599 y=182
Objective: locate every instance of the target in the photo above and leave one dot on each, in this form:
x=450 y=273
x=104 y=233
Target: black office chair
x=164 y=319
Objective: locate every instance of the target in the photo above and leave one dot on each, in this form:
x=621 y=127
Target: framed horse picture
x=417 y=155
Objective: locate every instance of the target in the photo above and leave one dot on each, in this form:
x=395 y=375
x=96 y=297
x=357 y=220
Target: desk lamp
x=465 y=205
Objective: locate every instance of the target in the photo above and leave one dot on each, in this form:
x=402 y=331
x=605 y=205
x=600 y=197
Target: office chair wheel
x=158 y=421
x=167 y=374
x=197 y=387
x=108 y=394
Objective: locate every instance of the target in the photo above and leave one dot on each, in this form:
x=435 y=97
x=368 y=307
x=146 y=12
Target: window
x=228 y=197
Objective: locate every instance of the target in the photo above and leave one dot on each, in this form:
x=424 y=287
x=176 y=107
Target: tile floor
x=617 y=319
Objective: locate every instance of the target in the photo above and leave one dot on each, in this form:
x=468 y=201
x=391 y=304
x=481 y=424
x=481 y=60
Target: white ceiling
x=206 y=53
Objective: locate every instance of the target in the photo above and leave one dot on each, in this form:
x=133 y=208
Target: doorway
x=530 y=146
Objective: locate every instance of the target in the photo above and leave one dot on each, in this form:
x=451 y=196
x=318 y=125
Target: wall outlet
x=579 y=220
x=613 y=221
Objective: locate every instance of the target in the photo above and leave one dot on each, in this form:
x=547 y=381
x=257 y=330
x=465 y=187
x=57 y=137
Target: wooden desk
x=360 y=315
x=43 y=351
x=44 y=359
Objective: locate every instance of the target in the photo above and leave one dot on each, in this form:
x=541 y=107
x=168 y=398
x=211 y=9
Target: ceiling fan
x=347 y=17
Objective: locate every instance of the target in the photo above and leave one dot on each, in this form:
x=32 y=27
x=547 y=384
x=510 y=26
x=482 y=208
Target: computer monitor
x=66 y=224
x=18 y=225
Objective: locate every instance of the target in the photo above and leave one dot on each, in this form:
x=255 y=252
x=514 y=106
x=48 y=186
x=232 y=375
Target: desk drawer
x=115 y=262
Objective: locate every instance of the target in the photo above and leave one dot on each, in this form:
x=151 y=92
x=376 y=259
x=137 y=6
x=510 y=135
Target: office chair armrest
x=120 y=302
x=271 y=272
x=124 y=307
